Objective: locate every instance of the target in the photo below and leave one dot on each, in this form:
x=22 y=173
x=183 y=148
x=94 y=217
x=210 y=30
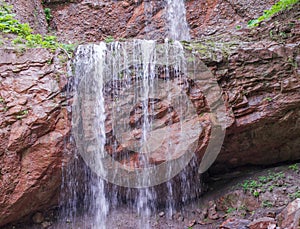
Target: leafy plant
x=263 y=179
x=230 y=210
x=255 y=193
x=109 y=39
x=269 y=99
x=252 y=186
x=271 y=187
x=267 y=204
x=8 y=24
x=294 y=167
x=22 y=114
x=295 y=195
x=277 y=7
x=48 y=14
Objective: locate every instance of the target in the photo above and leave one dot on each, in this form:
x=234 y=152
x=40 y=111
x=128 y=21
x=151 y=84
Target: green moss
x=109 y=39
x=211 y=49
x=277 y=7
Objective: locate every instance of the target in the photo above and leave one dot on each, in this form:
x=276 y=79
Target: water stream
x=135 y=128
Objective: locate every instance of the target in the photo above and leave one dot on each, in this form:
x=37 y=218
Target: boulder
x=289 y=218
x=233 y=223
x=33 y=128
x=263 y=223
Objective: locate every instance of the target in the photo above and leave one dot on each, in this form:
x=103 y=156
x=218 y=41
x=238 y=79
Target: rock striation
x=34 y=126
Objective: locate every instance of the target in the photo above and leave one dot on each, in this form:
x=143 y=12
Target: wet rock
x=212 y=211
x=33 y=131
x=161 y=214
x=46 y=224
x=233 y=223
x=38 y=218
x=178 y=216
x=192 y=223
x=290 y=216
x=203 y=214
x=147 y=19
x=263 y=223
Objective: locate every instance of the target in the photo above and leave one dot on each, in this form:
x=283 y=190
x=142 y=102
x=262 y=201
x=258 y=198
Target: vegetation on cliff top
x=281 y=5
x=25 y=35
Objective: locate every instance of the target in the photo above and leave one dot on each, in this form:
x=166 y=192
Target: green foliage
x=295 y=195
x=8 y=24
x=262 y=183
x=230 y=210
x=269 y=99
x=48 y=15
x=109 y=39
x=277 y=7
x=267 y=204
x=22 y=114
x=250 y=185
x=294 y=167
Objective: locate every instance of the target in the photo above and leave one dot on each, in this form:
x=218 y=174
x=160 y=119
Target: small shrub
x=267 y=204
x=48 y=15
x=8 y=24
x=294 y=167
x=295 y=195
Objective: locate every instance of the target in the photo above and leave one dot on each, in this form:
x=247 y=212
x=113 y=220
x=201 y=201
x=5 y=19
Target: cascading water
x=177 y=24
x=136 y=127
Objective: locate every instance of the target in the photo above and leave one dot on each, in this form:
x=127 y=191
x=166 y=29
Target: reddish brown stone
x=34 y=126
x=234 y=223
x=289 y=218
x=263 y=223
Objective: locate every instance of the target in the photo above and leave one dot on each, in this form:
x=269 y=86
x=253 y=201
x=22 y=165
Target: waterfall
x=177 y=24
x=136 y=127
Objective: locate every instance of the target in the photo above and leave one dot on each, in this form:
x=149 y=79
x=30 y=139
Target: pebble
x=38 y=218
x=161 y=214
x=192 y=223
x=46 y=224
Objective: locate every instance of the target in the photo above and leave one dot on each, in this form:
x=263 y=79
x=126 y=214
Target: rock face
x=260 y=81
x=33 y=129
x=86 y=20
x=261 y=84
x=96 y=20
x=31 y=12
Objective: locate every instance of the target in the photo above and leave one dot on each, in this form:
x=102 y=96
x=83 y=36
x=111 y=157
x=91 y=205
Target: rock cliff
x=258 y=70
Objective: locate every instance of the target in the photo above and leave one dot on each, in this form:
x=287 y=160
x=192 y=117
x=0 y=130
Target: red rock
x=212 y=211
x=31 y=12
x=289 y=218
x=234 y=223
x=31 y=147
x=263 y=223
x=32 y=142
